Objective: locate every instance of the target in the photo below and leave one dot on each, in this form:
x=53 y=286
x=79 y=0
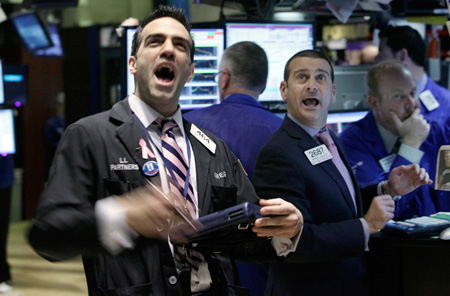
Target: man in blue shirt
x=242 y=122
x=405 y=44
x=394 y=133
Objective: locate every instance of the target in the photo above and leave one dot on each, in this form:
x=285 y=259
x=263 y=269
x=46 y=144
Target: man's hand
x=413 y=130
x=406 y=178
x=285 y=219
x=381 y=210
x=150 y=214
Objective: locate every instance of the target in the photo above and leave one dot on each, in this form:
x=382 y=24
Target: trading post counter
x=408 y=266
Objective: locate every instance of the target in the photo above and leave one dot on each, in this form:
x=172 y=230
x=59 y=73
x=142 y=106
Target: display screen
x=7 y=137
x=202 y=91
x=56 y=50
x=49 y=3
x=15 y=81
x=31 y=30
x=280 y=41
x=2 y=89
x=338 y=120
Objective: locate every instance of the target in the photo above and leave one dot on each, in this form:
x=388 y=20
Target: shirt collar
x=389 y=139
x=311 y=131
x=420 y=85
x=147 y=114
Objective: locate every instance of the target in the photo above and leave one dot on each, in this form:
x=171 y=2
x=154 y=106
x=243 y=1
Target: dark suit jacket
x=329 y=257
x=99 y=156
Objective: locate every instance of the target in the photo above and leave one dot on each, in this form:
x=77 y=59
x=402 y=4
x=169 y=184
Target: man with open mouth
x=122 y=179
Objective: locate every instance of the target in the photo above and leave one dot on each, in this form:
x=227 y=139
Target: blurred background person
x=53 y=130
x=405 y=44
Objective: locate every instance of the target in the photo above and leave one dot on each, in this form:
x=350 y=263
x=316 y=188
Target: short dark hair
x=163 y=11
x=309 y=53
x=408 y=38
x=248 y=64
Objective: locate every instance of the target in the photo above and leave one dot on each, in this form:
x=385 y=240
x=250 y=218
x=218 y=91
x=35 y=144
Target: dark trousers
x=5 y=203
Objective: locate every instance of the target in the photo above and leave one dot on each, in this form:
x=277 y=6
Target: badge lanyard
x=186 y=183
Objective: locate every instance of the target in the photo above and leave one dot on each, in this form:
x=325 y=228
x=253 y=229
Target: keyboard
x=424 y=226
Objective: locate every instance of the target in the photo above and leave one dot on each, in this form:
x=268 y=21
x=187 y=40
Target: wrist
x=384 y=188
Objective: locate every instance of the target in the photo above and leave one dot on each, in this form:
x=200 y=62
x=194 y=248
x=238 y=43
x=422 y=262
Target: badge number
x=318 y=154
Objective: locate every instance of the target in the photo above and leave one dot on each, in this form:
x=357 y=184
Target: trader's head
x=401 y=43
x=162 y=58
x=391 y=88
x=308 y=87
x=243 y=69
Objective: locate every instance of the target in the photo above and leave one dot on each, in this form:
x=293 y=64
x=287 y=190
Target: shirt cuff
x=412 y=154
x=115 y=234
x=283 y=246
x=366 y=233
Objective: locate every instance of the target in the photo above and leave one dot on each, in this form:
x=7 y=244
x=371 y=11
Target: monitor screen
x=7 y=137
x=336 y=121
x=350 y=88
x=280 y=42
x=31 y=30
x=49 y=3
x=202 y=91
x=56 y=50
x=2 y=90
x=15 y=81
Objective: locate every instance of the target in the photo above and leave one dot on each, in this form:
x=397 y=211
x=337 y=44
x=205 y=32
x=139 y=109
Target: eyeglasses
x=216 y=76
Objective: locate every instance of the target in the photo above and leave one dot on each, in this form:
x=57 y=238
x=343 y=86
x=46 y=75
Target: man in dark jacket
x=96 y=203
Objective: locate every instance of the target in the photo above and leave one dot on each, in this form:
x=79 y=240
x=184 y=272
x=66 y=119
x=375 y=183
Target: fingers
x=282 y=219
x=395 y=119
x=276 y=206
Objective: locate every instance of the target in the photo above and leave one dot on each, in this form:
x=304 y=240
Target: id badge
x=428 y=100
x=318 y=154
x=386 y=162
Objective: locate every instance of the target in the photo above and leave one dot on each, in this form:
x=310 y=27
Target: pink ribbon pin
x=146 y=152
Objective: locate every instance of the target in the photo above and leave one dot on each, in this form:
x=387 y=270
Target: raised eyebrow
x=306 y=71
x=153 y=36
x=323 y=72
x=160 y=35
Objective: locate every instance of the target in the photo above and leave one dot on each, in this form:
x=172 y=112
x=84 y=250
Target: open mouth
x=311 y=102
x=165 y=74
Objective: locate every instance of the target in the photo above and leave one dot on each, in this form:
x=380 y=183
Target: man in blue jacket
x=394 y=133
x=405 y=44
x=242 y=122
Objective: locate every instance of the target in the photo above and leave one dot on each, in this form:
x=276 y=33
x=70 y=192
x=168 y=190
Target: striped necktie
x=177 y=172
x=176 y=166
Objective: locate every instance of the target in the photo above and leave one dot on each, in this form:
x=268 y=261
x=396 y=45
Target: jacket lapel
x=202 y=161
x=306 y=142
x=130 y=133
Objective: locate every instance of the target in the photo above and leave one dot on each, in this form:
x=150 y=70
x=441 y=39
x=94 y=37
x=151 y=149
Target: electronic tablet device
x=224 y=222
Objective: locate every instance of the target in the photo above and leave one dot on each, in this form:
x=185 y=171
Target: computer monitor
x=2 y=89
x=202 y=91
x=49 y=3
x=56 y=51
x=336 y=121
x=15 y=81
x=350 y=88
x=7 y=136
x=280 y=42
x=31 y=30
